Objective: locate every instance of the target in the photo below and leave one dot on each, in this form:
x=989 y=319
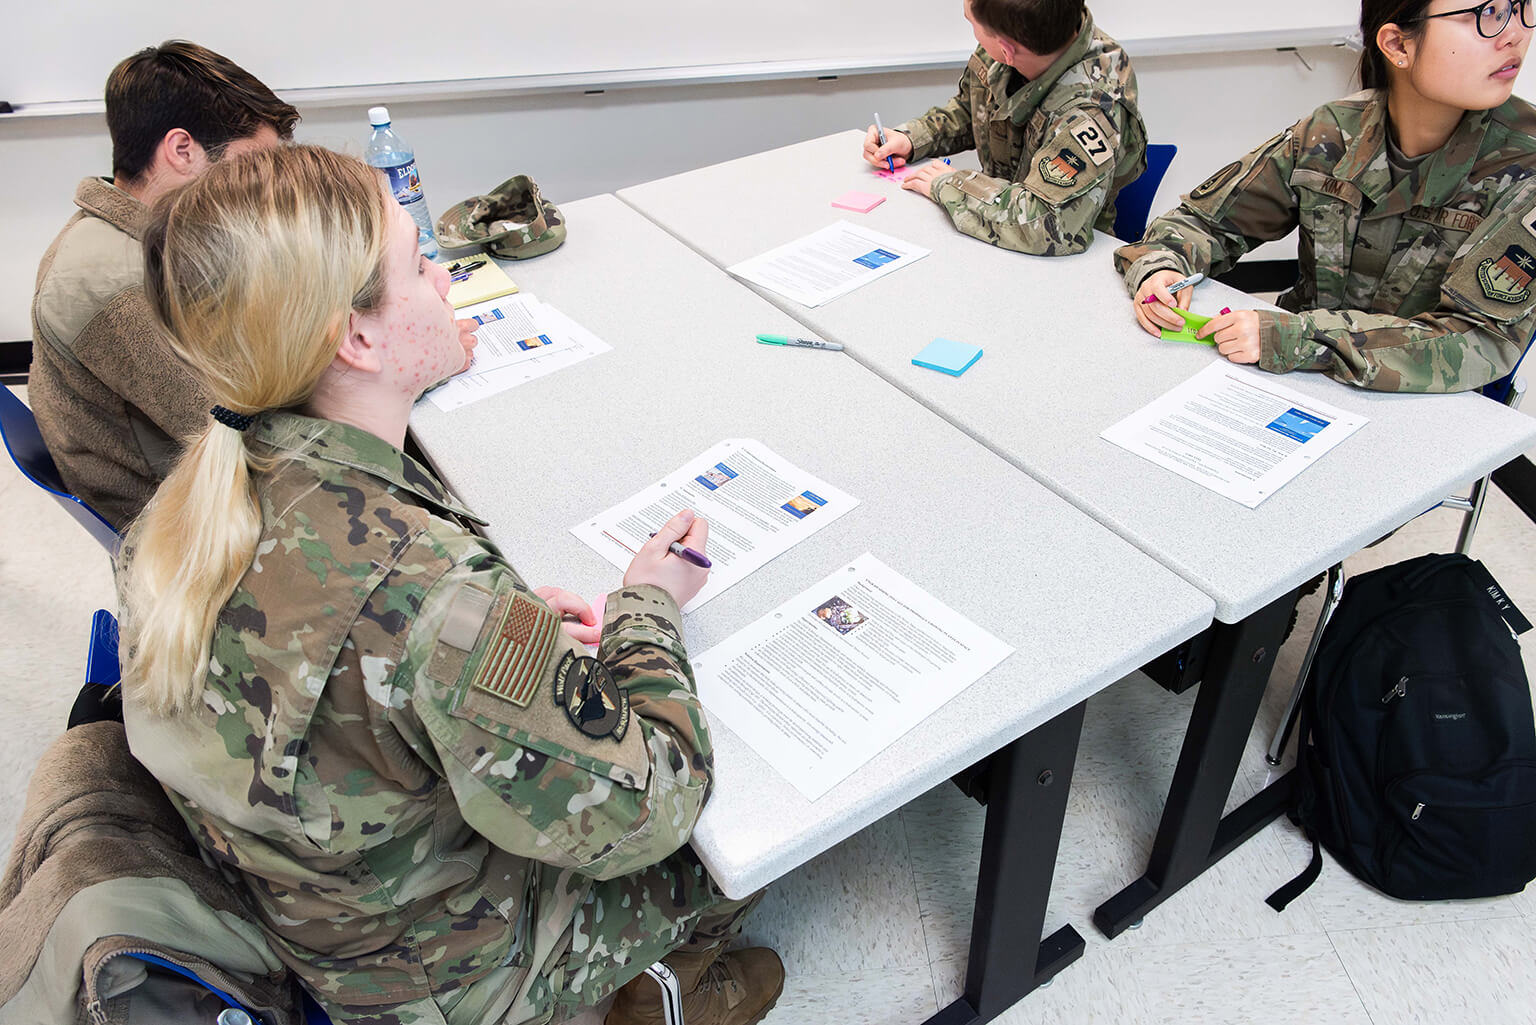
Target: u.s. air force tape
x=593 y=701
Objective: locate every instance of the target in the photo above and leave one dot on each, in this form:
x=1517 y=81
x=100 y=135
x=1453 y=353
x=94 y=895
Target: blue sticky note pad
x=948 y=357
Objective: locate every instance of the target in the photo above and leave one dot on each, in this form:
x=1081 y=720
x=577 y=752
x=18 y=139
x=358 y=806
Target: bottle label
x=404 y=182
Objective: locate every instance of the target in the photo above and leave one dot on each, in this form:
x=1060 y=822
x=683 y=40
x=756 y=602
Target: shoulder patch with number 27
x=1094 y=140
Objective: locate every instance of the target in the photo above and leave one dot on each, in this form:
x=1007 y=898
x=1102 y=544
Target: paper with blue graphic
x=1235 y=431
x=519 y=339
x=758 y=505
x=829 y=263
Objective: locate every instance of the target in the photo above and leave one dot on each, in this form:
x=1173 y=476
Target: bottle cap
x=378 y=116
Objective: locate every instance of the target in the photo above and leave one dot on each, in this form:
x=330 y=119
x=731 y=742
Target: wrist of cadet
x=641 y=614
x=920 y=139
x=1137 y=273
x=1286 y=343
x=947 y=178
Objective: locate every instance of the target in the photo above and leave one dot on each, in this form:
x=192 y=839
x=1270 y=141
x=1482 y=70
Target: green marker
x=804 y=343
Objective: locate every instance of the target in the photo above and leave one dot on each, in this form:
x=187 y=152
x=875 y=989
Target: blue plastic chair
x=101 y=665
x=24 y=442
x=1134 y=203
x=313 y=1013
x=99 y=699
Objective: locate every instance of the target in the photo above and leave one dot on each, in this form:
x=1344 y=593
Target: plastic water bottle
x=388 y=152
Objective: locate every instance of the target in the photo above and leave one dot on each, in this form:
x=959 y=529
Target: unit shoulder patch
x=1507 y=278
x=592 y=699
x=1094 y=136
x=1495 y=275
x=1062 y=168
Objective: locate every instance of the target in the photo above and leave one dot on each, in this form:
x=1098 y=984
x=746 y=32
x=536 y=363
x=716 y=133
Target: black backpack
x=1417 y=759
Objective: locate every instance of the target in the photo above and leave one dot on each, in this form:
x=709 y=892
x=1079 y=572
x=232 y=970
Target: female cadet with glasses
x=1415 y=204
x=442 y=808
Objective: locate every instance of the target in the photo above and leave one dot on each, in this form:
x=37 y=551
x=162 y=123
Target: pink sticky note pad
x=858 y=202
x=900 y=174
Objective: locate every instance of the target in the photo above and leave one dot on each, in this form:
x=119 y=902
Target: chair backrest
x=18 y=428
x=1134 y=202
x=101 y=665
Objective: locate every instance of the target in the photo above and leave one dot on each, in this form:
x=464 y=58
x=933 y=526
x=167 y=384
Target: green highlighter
x=799 y=343
x=1192 y=323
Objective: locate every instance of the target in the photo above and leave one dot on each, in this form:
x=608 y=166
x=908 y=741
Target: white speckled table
x=1081 y=606
x=1063 y=360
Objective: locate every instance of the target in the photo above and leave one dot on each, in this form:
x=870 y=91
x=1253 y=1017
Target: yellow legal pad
x=487 y=281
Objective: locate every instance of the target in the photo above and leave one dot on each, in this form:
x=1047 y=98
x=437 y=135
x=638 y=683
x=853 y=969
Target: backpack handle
x=1434 y=564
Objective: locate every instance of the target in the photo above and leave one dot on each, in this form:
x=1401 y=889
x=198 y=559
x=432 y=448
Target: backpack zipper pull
x=1400 y=689
x=1417 y=811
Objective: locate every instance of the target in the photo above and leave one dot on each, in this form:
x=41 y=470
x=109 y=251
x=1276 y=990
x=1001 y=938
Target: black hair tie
x=229 y=418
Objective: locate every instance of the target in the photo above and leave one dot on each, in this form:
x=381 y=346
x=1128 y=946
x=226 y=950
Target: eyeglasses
x=1492 y=16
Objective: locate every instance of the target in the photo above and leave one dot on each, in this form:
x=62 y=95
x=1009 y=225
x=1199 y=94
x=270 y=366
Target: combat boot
x=735 y=988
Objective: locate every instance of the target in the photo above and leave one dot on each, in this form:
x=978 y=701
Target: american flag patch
x=518 y=651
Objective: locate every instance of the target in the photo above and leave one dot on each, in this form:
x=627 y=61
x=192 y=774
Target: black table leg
x=1027 y=786
x=1192 y=835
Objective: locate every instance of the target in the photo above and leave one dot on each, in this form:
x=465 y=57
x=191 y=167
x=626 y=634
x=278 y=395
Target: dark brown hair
x=1040 y=26
x=182 y=85
x=1373 y=15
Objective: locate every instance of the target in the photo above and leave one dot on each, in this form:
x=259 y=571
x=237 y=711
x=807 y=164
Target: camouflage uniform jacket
x=396 y=738
x=1054 y=153
x=1422 y=287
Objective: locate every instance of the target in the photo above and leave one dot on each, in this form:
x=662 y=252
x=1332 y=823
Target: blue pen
x=880 y=132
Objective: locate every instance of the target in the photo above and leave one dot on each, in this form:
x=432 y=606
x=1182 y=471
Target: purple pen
x=682 y=551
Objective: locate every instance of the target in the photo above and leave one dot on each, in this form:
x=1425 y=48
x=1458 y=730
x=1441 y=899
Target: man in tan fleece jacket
x=111 y=398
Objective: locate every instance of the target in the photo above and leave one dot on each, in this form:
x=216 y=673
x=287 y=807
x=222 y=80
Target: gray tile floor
x=875 y=930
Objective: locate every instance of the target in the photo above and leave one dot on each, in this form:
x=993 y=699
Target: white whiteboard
x=61 y=50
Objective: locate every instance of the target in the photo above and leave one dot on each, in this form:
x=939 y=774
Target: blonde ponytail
x=255 y=269
x=208 y=553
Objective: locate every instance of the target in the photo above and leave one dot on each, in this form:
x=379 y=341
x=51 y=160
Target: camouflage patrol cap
x=512 y=221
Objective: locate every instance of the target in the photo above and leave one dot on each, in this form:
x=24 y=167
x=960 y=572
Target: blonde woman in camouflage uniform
x=1415 y=204
x=1049 y=104
x=441 y=808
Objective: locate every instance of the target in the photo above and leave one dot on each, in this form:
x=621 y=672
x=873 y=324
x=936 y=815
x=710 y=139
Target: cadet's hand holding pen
x=1151 y=315
x=897 y=146
x=656 y=564
x=1236 y=334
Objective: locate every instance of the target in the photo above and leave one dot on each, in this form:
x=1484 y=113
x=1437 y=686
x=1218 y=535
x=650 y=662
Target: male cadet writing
x=1049 y=103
